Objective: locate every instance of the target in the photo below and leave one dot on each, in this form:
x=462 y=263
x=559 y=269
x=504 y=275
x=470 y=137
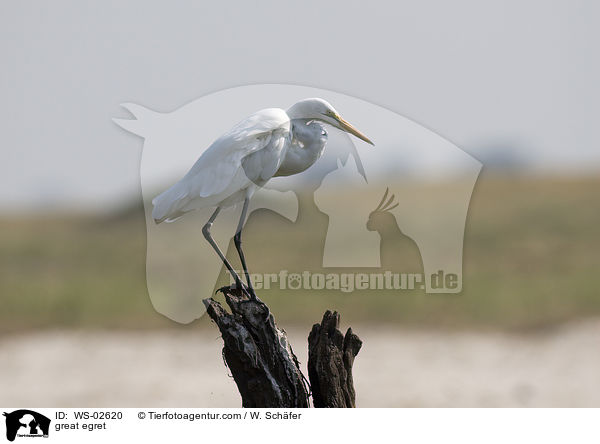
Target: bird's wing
x=214 y=171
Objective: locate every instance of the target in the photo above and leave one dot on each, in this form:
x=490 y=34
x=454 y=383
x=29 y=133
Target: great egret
x=271 y=142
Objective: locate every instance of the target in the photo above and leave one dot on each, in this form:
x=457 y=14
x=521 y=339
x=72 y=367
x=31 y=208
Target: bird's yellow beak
x=349 y=128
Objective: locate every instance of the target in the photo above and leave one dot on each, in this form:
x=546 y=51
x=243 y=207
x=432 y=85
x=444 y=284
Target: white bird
x=271 y=142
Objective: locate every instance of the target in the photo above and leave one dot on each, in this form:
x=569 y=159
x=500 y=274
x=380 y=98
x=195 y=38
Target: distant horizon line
x=126 y=202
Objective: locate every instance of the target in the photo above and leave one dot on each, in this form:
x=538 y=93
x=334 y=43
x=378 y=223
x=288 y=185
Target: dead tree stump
x=258 y=354
x=330 y=359
x=263 y=364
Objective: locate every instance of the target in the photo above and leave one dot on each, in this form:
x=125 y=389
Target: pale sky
x=520 y=74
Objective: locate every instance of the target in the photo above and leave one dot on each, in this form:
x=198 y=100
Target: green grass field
x=530 y=260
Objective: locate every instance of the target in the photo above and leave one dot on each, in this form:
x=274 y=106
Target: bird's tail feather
x=169 y=205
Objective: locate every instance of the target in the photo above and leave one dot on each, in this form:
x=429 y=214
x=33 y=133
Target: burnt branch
x=264 y=366
x=258 y=353
x=330 y=359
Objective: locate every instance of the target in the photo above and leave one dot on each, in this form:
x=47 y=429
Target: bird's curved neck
x=306 y=147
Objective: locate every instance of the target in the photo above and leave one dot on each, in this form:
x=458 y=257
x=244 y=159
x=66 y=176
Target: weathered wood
x=330 y=359
x=258 y=353
x=263 y=363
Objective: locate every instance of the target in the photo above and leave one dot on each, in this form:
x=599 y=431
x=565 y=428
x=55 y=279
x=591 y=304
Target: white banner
x=301 y=425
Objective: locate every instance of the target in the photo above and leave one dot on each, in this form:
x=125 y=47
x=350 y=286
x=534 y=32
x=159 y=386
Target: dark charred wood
x=258 y=353
x=330 y=360
x=264 y=366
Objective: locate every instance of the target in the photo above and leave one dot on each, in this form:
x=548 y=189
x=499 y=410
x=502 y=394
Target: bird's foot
x=243 y=289
x=251 y=292
x=223 y=289
x=246 y=291
x=254 y=298
x=267 y=315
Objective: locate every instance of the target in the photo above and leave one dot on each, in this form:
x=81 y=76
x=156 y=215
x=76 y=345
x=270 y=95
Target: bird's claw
x=248 y=292
x=223 y=289
x=245 y=290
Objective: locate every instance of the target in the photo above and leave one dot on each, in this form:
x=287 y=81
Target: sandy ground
x=395 y=368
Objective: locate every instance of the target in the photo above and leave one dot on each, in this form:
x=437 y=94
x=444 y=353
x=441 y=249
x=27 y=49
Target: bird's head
x=321 y=110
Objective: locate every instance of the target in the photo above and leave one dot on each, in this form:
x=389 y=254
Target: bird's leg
x=206 y=232
x=237 y=240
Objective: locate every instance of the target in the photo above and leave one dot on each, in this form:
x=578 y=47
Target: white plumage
x=268 y=143
x=218 y=176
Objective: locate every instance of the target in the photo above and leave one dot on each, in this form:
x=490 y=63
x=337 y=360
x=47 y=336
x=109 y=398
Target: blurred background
x=514 y=84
